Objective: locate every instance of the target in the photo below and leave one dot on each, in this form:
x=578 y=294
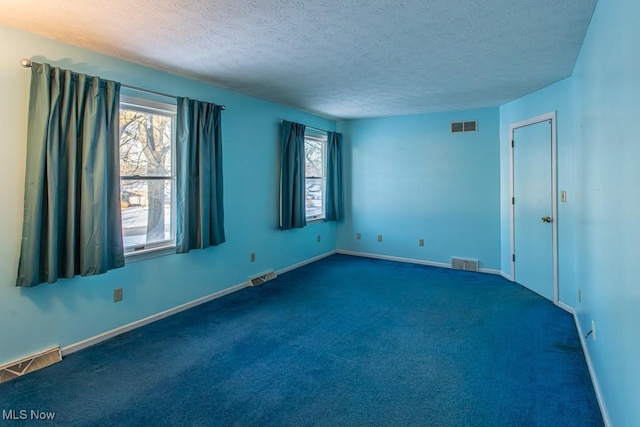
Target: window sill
x=149 y=253
x=315 y=220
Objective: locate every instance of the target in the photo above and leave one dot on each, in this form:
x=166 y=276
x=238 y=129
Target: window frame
x=144 y=105
x=322 y=138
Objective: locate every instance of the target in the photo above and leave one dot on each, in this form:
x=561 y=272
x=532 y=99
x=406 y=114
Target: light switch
x=563 y=196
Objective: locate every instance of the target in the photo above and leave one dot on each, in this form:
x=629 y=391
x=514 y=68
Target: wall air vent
x=464 y=264
x=29 y=364
x=470 y=126
x=261 y=278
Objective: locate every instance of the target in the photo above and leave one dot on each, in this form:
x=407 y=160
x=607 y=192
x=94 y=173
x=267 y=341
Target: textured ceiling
x=338 y=58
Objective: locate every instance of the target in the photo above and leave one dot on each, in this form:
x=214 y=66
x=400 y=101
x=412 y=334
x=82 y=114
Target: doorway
x=533 y=205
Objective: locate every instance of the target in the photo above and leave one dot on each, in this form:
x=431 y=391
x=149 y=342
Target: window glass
x=147 y=176
x=315 y=152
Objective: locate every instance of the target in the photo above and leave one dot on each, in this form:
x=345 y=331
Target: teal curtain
x=335 y=201
x=200 y=212
x=292 y=174
x=72 y=222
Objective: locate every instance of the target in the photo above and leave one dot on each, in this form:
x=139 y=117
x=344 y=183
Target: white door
x=533 y=214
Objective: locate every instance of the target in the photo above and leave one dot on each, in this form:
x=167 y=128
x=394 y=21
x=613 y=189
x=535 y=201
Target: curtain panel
x=200 y=212
x=335 y=198
x=292 y=176
x=72 y=221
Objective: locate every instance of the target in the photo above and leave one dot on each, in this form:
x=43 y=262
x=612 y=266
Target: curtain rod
x=311 y=127
x=26 y=63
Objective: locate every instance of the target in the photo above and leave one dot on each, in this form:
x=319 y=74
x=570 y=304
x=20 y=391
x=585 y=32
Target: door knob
x=546 y=219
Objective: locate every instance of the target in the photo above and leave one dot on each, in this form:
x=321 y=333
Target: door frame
x=554 y=195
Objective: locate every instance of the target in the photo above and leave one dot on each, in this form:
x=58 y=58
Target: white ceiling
x=337 y=58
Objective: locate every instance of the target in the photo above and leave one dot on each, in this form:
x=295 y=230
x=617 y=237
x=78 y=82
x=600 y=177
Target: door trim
x=554 y=195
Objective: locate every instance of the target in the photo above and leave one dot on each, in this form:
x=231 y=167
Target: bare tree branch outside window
x=145 y=151
x=314 y=177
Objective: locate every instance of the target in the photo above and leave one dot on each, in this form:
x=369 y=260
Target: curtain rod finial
x=26 y=63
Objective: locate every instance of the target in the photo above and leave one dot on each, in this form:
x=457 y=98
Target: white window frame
x=320 y=137
x=140 y=252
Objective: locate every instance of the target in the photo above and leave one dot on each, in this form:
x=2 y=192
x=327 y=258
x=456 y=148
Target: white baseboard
x=305 y=262
x=490 y=271
x=393 y=258
x=592 y=372
x=409 y=260
x=566 y=308
x=158 y=316
x=153 y=318
x=506 y=276
x=587 y=357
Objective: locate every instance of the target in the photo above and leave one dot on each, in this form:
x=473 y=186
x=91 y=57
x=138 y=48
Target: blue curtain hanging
x=200 y=212
x=292 y=175
x=334 y=195
x=72 y=222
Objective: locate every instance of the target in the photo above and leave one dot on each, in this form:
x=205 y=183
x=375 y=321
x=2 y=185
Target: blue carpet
x=344 y=341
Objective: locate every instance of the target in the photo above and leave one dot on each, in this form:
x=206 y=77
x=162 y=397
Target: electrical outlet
x=318 y=238
x=593 y=330
x=358 y=236
x=117 y=294
x=379 y=237
x=421 y=242
x=252 y=257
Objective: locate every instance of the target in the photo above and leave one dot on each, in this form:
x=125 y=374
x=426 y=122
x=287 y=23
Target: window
x=315 y=149
x=147 y=174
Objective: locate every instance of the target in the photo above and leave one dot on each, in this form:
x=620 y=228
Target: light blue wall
x=73 y=310
x=599 y=152
x=408 y=178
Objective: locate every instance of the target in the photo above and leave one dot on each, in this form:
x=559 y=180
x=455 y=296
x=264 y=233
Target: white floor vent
x=464 y=264
x=29 y=364
x=261 y=278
